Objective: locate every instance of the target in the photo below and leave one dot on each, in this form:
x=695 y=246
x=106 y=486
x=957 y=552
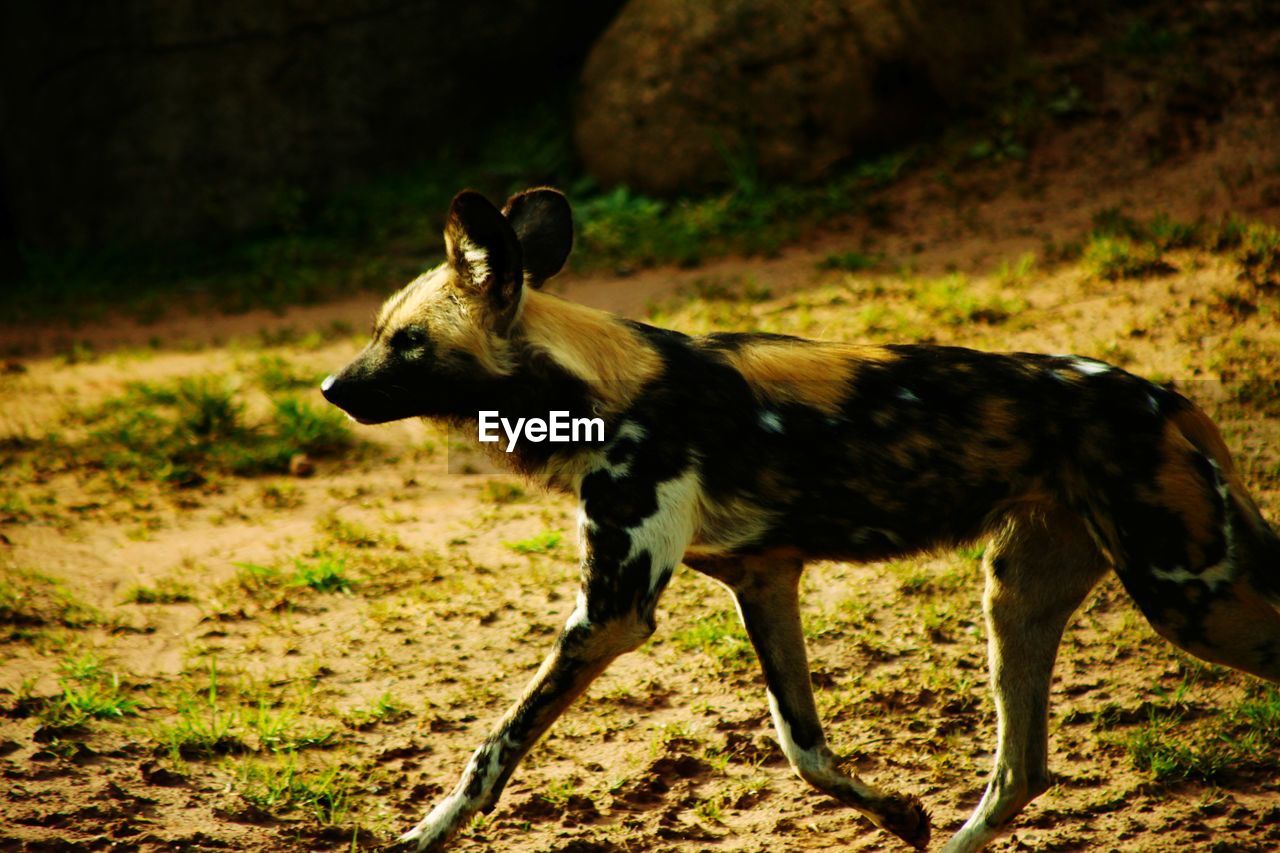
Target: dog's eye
x=409 y=338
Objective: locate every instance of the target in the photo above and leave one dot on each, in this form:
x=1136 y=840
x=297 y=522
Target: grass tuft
x=88 y=692
x=1114 y=258
x=281 y=785
x=165 y=591
x=326 y=573
x=722 y=637
x=850 y=261
x=1243 y=738
x=543 y=543
x=1259 y=256
x=30 y=599
x=186 y=431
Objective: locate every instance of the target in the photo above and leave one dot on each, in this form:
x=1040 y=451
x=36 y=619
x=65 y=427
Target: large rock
x=678 y=93
x=138 y=119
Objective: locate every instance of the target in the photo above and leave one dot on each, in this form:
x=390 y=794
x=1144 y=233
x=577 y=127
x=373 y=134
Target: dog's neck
x=595 y=347
x=559 y=356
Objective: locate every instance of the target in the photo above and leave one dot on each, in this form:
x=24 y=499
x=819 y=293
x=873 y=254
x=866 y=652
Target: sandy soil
x=671 y=749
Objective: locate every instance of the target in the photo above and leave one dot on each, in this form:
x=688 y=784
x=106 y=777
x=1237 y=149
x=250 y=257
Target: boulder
x=679 y=94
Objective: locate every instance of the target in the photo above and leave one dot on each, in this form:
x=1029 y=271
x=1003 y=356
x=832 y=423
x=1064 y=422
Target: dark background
x=147 y=142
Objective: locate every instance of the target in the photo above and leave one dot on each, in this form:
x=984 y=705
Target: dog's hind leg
x=1039 y=567
x=767 y=594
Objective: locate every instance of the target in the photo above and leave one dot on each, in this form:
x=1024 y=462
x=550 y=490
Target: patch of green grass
x=224 y=717
x=30 y=599
x=257 y=581
x=186 y=431
x=204 y=726
x=712 y=808
x=559 y=792
x=165 y=591
x=281 y=785
x=951 y=299
x=850 y=261
x=352 y=534
x=541 y=543
x=300 y=426
x=1259 y=256
x=1168 y=233
x=277 y=374
x=622 y=227
x=1244 y=737
x=281 y=730
x=1012 y=273
x=88 y=692
x=325 y=573
x=281 y=496
x=722 y=637
x=385 y=709
x=322 y=571
x=1116 y=258
x=501 y=492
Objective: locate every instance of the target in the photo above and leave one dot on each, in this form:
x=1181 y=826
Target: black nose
x=331 y=388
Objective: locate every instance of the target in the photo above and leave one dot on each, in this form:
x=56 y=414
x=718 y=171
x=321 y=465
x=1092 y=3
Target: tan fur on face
x=812 y=374
x=592 y=345
x=452 y=319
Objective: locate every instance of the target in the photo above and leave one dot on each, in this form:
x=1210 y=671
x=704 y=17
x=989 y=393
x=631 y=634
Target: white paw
x=971 y=837
x=440 y=824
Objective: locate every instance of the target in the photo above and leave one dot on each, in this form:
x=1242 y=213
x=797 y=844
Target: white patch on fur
x=1153 y=404
x=1225 y=571
x=450 y=813
x=477 y=259
x=973 y=836
x=814 y=764
x=907 y=395
x=790 y=749
x=578 y=618
x=771 y=422
x=1090 y=367
x=629 y=430
x=667 y=533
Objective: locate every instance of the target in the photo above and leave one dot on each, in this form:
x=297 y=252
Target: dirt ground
x=239 y=700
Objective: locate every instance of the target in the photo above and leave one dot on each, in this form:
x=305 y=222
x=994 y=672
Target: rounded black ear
x=483 y=250
x=543 y=223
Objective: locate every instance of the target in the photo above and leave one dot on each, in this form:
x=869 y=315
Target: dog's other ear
x=483 y=250
x=543 y=223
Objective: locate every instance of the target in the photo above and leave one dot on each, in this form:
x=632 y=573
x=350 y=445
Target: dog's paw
x=434 y=831
x=906 y=817
x=425 y=839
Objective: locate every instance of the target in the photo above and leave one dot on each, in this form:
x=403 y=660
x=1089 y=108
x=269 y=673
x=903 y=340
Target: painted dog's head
x=446 y=332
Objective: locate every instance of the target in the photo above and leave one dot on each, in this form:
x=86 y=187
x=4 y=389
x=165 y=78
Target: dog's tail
x=1192 y=549
x=1255 y=545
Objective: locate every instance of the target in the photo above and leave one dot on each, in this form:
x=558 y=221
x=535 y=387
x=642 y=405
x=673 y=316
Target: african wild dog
x=744 y=455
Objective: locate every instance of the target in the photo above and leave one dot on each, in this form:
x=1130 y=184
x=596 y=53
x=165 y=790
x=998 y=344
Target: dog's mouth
x=368 y=421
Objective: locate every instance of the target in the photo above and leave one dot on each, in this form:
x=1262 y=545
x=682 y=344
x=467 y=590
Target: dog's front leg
x=623 y=573
x=767 y=593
